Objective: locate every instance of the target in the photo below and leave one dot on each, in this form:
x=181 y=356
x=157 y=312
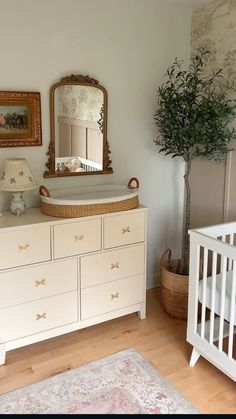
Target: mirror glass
x=78 y=145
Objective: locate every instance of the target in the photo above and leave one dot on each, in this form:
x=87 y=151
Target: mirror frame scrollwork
x=50 y=164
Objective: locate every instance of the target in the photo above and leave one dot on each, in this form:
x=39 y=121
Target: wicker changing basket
x=174 y=287
x=86 y=210
x=50 y=206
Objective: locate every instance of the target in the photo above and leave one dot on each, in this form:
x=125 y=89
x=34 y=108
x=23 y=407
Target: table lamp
x=17 y=178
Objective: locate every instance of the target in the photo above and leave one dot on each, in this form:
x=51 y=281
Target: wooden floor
x=159 y=338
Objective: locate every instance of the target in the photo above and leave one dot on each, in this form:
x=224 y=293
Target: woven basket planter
x=174 y=287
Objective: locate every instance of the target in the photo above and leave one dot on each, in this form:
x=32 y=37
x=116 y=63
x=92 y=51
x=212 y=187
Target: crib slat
x=204 y=280
x=194 y=285
x=223 y=239
x=232 y=312
x=231 y=242
x=222 y=303
x=213 y=294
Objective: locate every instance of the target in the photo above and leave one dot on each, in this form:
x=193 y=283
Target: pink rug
x=121 y=383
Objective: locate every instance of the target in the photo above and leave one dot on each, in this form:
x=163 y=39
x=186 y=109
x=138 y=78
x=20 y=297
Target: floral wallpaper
x=80 y=102
x=214 y=27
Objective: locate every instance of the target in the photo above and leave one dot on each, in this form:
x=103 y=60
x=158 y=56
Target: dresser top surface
x=34 y=216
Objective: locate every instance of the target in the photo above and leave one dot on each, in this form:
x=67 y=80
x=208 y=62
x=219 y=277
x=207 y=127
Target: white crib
x=212 y=296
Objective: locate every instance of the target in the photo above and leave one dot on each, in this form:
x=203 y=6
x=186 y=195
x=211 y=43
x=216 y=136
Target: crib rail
x=212 y=296
x=90 y=165
x=217 y=230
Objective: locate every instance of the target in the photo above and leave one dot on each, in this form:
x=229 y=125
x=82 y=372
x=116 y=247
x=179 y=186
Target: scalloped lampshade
x=17 y=178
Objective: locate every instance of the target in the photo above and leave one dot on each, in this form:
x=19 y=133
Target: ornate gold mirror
x=78 y=127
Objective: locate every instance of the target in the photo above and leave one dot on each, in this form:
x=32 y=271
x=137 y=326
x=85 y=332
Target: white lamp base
x=17 y=204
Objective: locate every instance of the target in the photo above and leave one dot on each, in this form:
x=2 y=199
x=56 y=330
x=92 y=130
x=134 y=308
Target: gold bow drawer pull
x=22 y=247
x=41 y=316
x=115 y=265
x=116 y=295
x=38 y=282
x=125 y=229
x=78 y=237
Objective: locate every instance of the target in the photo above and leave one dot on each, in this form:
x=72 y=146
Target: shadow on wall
x=169 y=229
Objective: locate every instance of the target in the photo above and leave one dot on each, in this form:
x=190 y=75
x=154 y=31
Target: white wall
x=127 y=45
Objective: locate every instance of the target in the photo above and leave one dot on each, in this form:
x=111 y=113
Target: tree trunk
x=185 y=251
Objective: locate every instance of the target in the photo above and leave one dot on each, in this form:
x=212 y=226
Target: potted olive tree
x=193 y=117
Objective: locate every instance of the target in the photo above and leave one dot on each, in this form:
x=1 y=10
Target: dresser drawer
x=112 y=296
x=25 y=246
x=77 y=238
x=35 y=282
x=38 y=316
x=124 y=229
x=109 y=266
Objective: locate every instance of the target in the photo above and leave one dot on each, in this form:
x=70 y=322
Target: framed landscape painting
x=20 y=119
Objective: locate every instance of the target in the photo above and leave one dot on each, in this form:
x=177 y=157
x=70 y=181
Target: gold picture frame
x=20 y=119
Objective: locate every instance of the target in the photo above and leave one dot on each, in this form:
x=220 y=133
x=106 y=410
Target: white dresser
x=58 y=275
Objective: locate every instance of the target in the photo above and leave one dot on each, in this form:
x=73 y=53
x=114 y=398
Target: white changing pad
x=228 y=289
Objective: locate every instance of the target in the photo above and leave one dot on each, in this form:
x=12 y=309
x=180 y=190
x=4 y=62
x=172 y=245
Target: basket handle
x=44 y=191
x=133 y=179
x=166 y=256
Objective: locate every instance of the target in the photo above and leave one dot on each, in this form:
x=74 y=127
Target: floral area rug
x=122 y=383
